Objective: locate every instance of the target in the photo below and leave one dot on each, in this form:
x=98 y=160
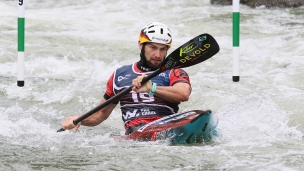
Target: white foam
x=256 y=120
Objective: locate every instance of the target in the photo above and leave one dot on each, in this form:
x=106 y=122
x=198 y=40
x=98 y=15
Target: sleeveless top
x=142 y=105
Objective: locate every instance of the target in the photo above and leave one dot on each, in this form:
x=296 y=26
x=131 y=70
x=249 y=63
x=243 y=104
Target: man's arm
x=92 y=120
x=179 y=92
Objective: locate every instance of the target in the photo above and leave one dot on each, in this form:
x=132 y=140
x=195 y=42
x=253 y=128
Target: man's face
x=155 y=54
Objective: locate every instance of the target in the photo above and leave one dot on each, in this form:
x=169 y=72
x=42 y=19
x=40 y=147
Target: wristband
x=153 y=89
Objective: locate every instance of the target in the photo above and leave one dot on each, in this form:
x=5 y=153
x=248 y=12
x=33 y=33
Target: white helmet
x=156 y=32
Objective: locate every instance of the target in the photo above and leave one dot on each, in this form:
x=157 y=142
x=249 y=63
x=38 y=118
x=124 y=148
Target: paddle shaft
x=112 y=99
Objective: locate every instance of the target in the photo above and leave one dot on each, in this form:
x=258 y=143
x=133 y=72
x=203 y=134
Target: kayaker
x=145 y=103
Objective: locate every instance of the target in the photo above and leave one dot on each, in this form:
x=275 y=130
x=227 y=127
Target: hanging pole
x=236 y=40
x=20 y=61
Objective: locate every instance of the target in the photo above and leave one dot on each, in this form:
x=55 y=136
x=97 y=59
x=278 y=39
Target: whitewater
x=72 y=48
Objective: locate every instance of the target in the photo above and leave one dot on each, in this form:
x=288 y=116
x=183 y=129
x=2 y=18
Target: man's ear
x=140 y=45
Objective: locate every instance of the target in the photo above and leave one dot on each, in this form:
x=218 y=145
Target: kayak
x=193 y=126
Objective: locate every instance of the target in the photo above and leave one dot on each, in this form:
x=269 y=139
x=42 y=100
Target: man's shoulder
x=125 y=67
x=179 y=72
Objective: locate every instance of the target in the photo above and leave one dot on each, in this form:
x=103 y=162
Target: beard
x=147 y=64
x=151 y=65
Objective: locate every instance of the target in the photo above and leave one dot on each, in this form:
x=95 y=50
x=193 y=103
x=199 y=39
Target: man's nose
x=158 y=53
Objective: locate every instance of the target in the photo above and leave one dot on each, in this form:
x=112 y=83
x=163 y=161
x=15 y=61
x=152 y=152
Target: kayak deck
x=181 y=128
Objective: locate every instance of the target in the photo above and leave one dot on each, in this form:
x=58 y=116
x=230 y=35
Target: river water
x=72 y=47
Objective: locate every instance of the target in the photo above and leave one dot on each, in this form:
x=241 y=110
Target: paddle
x=196 y=50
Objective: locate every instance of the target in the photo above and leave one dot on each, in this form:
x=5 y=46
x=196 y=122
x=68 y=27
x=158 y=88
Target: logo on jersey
x=146 y=111
x=128 y=115
x=162 y=74
x=145 y=69
x=133 y=114
x=120 y=78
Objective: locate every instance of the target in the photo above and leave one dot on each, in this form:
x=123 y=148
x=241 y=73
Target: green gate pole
x=20 y=62
x=236 y=40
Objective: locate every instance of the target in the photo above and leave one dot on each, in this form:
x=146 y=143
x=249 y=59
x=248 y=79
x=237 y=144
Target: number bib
x=140 y=105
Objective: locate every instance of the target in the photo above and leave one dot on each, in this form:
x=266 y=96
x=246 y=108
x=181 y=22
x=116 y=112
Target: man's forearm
x=177 y=93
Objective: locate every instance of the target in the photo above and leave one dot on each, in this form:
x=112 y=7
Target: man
x=150 y=101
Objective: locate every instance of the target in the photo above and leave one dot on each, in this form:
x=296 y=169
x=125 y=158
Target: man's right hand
x=138 y=88
x=68 y=123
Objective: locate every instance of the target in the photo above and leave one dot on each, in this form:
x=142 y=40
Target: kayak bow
x=180 y=128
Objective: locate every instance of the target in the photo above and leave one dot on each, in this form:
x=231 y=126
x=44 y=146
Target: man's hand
x=138 y=88
x=68 y=123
